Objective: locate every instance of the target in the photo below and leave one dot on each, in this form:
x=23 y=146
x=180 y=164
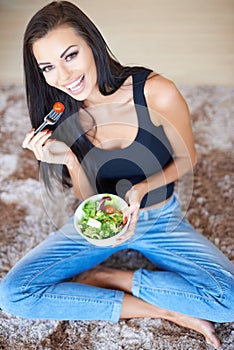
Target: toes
x=213 y=341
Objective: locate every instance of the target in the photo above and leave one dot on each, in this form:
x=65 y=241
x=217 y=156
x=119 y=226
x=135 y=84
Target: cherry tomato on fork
x=58 y=107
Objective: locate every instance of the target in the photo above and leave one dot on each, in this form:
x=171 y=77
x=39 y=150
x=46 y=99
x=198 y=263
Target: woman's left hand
x=133 y=197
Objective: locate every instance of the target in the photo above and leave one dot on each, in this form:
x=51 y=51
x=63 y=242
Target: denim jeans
x=192 y=277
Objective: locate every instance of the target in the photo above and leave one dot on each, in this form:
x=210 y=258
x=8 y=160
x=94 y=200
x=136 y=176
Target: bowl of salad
x=100 y=220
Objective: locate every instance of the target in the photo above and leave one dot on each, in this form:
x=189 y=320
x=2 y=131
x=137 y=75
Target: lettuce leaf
x=111 y=224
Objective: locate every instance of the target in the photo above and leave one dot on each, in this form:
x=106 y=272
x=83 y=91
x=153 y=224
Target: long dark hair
x=40 y=96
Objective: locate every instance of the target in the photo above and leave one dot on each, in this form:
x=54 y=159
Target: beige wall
x=189 y=41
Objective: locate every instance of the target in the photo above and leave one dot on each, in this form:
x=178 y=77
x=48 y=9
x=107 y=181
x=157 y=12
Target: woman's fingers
x=46 y=149
x=31 y=140
x=127 y=235
x=131 y=211
x=133 y=208
x=36 y=143
x=28 y=138
x=133 y=197
x=40 y=138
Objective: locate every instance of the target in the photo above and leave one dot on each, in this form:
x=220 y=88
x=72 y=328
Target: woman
x=125 y=130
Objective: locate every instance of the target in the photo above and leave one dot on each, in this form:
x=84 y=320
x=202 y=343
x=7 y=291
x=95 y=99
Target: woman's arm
x=168 y=108
x=81 y=184
x=56 y=152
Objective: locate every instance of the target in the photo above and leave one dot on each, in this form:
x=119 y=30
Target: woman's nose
x=63 y=74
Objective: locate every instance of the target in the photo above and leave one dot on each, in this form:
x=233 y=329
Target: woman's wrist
x=141 y=188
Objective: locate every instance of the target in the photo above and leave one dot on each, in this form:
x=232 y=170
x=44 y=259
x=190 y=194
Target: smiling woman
x=67 y=62
x=127 y=131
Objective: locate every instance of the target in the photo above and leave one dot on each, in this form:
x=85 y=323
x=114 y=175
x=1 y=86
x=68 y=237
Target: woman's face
x=67 y=62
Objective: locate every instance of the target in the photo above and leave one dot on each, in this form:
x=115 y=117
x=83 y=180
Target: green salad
x=102 y=218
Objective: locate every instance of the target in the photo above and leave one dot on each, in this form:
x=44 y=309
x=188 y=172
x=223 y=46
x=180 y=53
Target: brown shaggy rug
x=24 y=222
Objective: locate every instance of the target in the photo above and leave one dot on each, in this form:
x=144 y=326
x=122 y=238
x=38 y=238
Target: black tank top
x=117 y=170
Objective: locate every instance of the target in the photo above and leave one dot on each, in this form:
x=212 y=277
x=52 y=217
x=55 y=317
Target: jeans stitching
x=73 y=298
x=222 y=292
x=36 y=274
x=177 y=293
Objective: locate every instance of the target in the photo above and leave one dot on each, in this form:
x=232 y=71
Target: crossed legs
x=134 y=307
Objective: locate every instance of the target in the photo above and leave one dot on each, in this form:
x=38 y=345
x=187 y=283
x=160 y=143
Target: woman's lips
x=77 y=86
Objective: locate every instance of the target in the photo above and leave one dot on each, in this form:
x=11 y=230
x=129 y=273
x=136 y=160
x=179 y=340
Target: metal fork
x=50 y=119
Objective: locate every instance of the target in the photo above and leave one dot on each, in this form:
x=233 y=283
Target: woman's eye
x=47 y=69
x=70 y=56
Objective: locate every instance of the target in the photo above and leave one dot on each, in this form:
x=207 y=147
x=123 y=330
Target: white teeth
x=75 y=84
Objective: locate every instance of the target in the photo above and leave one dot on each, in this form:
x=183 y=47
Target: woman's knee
x=7 y=295
x=224 y=304
x=12 y=293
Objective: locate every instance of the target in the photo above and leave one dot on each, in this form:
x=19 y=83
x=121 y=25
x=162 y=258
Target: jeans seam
x=70 y=298
x=28 y=282
x=116 y=302
x=221 y=290
x=178 y=293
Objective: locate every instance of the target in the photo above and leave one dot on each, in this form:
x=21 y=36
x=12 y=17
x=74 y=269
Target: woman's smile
x=77 y=84
x=67 y=62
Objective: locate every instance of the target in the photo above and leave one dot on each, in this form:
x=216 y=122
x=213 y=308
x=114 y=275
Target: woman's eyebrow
x=43 y=63
x=61 y=56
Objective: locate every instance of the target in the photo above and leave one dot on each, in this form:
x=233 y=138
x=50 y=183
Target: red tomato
x=109 y=209
x=58 y=107
x=125 y=220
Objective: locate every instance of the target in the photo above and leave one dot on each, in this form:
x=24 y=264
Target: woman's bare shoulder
x=161 y=93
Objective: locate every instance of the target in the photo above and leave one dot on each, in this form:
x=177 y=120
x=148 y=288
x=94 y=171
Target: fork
x=52 y=117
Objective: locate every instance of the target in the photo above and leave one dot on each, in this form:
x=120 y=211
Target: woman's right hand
x=48 y=150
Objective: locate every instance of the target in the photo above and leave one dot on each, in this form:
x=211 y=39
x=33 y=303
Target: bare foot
x=137 y=308
x=204 y=327
x=134 y=307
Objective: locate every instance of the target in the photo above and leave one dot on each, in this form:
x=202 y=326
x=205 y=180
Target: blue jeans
x=193 y=277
